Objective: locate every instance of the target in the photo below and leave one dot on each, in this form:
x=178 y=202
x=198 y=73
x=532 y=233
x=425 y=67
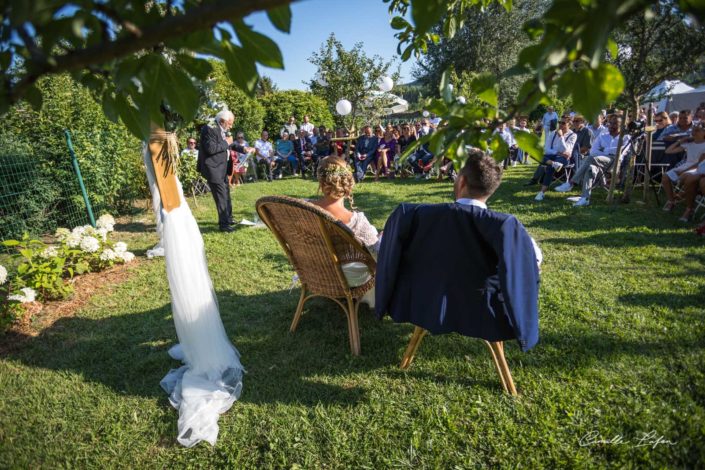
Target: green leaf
x=485 y=87
x=241 y=68
x=280 y=18
x=529 y=143
x=426 y=13
x=180 y=92
x=108 y=104
x=199 y=68
x=259 y=47
x=612 y=48
x=136 y=120
x=11 y=242
x=399 y=23
x=34 y=97
x=611 y=81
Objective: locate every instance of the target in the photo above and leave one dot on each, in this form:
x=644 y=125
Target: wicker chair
x=317 y=246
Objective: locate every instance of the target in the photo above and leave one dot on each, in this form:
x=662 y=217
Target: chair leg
x=299 y=310
x=500 y=362
x=414 y=343
x=353 y=329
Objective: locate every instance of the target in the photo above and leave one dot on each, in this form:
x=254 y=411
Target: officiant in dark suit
x=213 y=158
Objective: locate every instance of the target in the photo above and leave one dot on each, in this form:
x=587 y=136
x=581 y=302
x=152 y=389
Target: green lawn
x=621 y=353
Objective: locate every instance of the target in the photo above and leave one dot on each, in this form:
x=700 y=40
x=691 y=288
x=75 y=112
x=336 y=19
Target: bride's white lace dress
x=356 y=273
x=210 y=380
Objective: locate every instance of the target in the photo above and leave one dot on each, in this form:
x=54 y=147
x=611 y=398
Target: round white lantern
x=321 y=81
x=344 y=107
x=462 y=100
x=425 y=113
x=385 y=84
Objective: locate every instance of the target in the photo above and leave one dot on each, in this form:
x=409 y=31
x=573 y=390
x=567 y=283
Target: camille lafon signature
x=643 y=439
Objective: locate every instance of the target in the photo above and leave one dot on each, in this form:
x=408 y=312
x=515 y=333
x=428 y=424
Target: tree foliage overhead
x=134 y=55
x=658 y=45
x=489 y=40
x=568 y=48
x=351 y=75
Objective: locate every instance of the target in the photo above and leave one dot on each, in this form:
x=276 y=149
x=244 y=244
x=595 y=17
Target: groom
x=213 y=156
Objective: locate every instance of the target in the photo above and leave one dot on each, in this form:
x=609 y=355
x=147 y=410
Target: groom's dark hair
x=482 y=174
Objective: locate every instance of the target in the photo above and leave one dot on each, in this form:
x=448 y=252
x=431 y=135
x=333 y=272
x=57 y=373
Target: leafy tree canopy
x=351 y=75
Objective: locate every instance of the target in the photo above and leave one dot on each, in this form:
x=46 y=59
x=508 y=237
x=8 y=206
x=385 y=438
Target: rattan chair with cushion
x=318 y=246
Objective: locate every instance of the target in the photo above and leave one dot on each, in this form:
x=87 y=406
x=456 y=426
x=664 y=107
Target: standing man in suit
x=303 y=150
x=213 y=157
x=365 y=152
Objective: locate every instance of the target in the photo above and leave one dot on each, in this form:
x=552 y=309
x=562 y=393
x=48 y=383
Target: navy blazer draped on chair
x=459 y=268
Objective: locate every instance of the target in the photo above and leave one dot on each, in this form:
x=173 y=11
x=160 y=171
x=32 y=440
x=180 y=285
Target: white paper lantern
x=462 y=100
x=425 y=113
x=344 y=107
x=321 y=81
x=385 y=84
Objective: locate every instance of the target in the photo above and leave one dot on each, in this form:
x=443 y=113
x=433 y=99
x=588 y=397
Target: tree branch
x=195 y=19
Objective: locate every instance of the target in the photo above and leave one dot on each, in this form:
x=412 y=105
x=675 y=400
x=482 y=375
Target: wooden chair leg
x=353 y=328
x=299 y=310
x=414 y=343
x=500 y=362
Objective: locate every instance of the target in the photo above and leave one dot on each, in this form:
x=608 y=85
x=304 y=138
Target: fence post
x=77 y=169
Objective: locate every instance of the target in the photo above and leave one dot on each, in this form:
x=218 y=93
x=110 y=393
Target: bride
x=336 y=182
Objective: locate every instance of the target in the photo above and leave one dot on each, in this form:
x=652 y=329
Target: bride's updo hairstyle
x=336 y=178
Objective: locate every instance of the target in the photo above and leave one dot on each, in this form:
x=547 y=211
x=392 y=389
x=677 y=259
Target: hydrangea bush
x=43 y=270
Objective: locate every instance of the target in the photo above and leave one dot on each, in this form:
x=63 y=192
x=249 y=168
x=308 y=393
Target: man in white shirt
x=549 y=120
x=307 y=126
x=557 y=152
x=603 y=154
x=265 y=153
x=522 y=127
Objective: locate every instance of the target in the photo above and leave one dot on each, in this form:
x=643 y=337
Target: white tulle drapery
x=210 y=380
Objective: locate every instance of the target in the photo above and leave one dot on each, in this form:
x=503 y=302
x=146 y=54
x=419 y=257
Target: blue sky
x=352 y=21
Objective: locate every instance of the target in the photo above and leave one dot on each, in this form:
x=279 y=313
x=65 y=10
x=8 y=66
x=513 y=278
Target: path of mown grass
x=621 y=353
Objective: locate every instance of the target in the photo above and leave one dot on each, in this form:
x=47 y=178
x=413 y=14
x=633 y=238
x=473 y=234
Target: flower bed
x=42 y=271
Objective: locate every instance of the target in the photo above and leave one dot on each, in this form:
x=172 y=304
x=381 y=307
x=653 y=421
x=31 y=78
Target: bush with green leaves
x=41 y=270
x=280 y=105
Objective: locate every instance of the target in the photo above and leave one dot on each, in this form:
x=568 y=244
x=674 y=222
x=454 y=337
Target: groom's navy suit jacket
x=459 y=268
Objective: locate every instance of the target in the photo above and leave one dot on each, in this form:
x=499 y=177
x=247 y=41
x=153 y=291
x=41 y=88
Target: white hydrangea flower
x=28 y=295
x=108 y=255
x=61 y=233
x=79 y=230
x=106 y=221
x=102 y=233
x=89 y=230
x=127 y=256
x=73 y=240
x=90 y=244
x=120 y=247
x=3 y=274
x=49 y=252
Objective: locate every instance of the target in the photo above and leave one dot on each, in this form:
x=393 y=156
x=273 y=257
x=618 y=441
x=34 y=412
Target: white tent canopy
x=662 y=93
x=687 y=100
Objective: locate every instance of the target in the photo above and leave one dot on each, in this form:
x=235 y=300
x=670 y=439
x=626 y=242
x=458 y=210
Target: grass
x=621 y=353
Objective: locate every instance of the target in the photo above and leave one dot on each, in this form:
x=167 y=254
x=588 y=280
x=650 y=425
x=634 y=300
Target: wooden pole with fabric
x=164 y=150
x=649 y=143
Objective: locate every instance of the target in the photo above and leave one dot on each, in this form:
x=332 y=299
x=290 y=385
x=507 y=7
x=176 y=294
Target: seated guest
x=583 y=140
x=557 y=153
x=597 y=128
x=285 y=153
x=461 y=267
x=336 y=183
x=264 y=154
x=688 y=173
x=365 y=152
x=239 y=155
x=681 y=128
x=603 y=154
x=699 y=116
x=386 y=149
x=321 y=148
x=658 y=146
x=303 y=151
